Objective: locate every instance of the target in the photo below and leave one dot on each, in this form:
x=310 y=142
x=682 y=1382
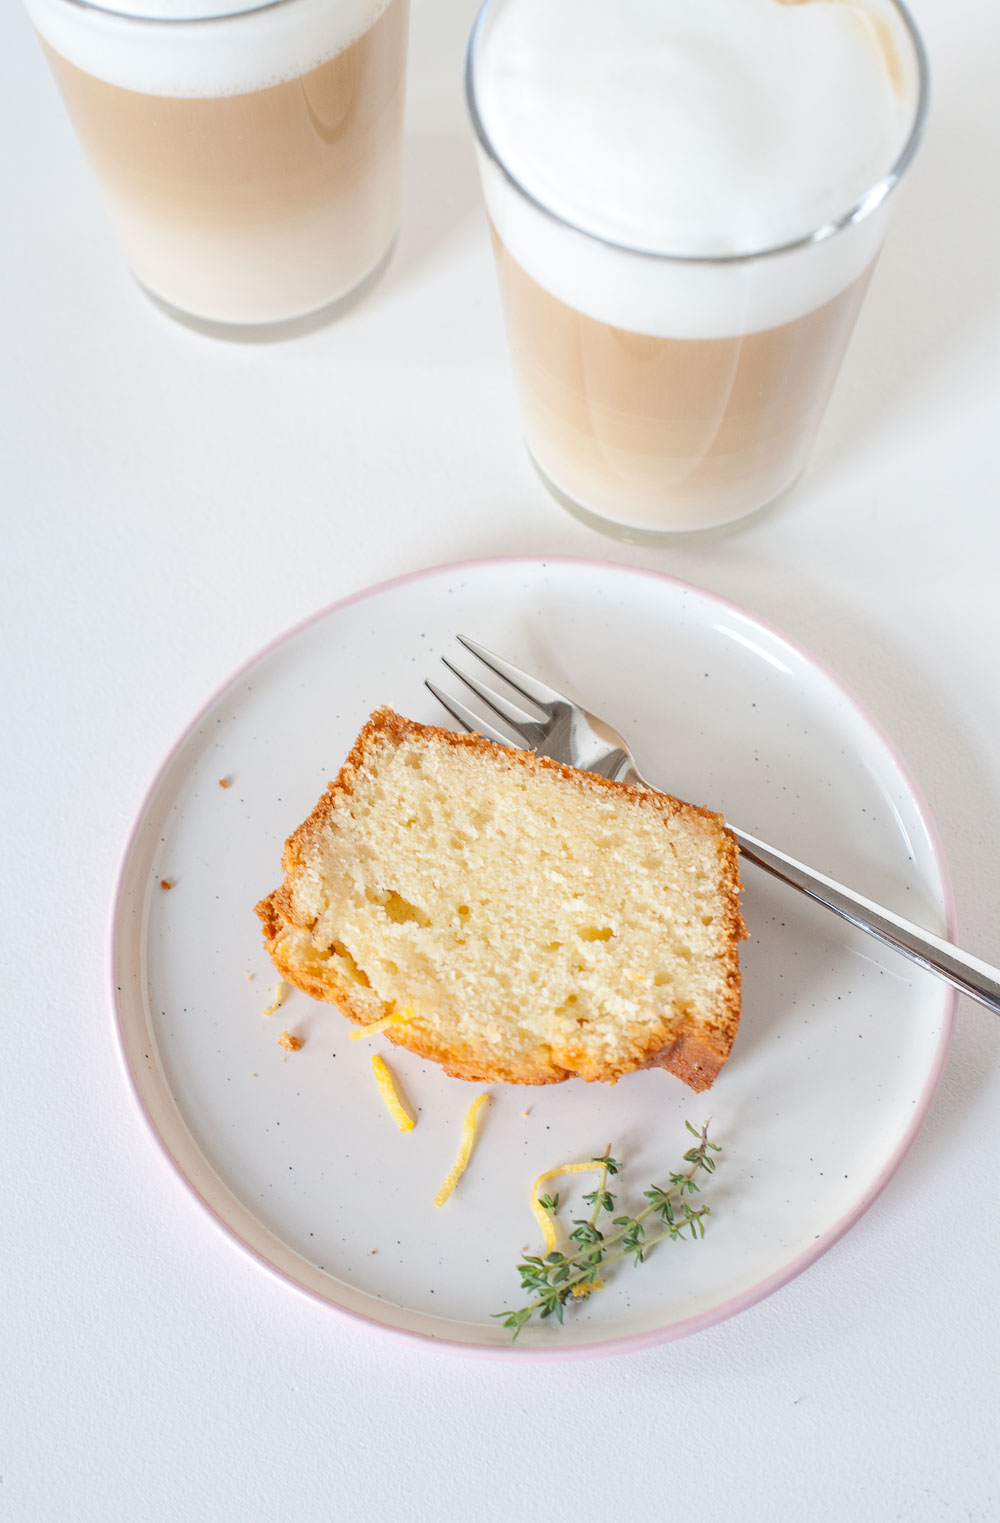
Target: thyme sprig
x=557 y=1277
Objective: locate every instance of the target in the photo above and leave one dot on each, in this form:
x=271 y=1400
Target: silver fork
x=571 y=734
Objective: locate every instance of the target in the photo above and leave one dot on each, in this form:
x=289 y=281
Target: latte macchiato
x=250 y=162
x=686 y=203
x=619 y=420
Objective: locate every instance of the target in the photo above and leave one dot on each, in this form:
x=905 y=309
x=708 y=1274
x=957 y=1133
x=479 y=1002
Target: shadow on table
x=441 y=199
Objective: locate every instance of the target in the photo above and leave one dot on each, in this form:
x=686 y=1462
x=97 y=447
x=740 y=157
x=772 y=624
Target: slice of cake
x=515 y=919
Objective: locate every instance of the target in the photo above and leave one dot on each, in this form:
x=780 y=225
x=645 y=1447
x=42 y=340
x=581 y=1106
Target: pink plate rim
x=611 y=1346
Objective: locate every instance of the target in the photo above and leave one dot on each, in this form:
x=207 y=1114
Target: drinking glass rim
x=869 y=202
x=119 y=15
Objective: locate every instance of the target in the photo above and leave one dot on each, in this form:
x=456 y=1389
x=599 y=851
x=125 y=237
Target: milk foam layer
x=230 y=54
x=699 y=131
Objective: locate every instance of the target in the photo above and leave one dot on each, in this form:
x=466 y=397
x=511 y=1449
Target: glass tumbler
x=248 y=154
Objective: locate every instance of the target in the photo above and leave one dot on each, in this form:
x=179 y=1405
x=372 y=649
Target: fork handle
x=969 y=974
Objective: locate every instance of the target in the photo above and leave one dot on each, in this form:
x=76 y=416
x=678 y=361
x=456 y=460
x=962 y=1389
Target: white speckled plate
x=840 y=1045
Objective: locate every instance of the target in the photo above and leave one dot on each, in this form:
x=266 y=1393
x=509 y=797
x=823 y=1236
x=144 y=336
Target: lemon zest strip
x=375 y=1026
x=543 y=1217
x=585 y=1289
x=279 y=998
x=391 y=1095
x=465 y=1146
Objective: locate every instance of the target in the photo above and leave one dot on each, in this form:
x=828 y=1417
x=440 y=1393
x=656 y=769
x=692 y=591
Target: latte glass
x=248 y=155
x=666 y=392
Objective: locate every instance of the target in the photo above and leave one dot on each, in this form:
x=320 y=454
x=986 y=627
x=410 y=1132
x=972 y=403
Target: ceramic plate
x=840 y=1046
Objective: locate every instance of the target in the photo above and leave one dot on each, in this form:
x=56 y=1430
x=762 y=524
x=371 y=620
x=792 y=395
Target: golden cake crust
x=694 y=1052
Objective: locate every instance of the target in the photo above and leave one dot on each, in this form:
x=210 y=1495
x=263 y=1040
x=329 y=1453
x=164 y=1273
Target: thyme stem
x=559 y=1276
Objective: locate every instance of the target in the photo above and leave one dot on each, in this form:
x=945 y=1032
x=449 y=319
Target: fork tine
x=466 y=718
x=521 y=723
x=529 y=687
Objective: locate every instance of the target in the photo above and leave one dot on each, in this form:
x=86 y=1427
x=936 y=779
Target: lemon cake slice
x=510 y=918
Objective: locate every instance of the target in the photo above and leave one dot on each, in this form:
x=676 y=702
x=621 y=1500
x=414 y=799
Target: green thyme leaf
x=560 y=1277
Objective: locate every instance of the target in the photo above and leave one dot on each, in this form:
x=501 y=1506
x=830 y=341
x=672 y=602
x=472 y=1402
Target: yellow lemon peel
x=585 y=1289
x=279 y=997
x=390 y=1094
x=543 y=1217
x=375 y=1026
x=465 y=1146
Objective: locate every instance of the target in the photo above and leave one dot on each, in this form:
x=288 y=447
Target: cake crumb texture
x=529 y=923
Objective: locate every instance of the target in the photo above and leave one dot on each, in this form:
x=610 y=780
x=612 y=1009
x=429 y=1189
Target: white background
x=169 y=503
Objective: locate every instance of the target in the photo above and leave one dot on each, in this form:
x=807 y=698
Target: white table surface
x=170 y=503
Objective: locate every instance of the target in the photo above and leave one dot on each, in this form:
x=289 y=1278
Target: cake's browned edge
x=694 y=1056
